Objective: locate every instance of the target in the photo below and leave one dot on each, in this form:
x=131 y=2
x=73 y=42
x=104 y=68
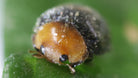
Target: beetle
x=69 y=35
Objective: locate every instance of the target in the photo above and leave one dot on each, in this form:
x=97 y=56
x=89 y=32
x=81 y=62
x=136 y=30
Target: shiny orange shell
x=58 y=39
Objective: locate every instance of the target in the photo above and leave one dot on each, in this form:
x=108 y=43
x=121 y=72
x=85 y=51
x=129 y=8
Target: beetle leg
x=37 y=52
x=38 y=55
x=31 y=51
x=71 y=69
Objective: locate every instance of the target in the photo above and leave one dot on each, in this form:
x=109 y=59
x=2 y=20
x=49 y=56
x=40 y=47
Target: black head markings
x=63 y=58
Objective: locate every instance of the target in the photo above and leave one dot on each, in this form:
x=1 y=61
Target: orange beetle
x=70 y=34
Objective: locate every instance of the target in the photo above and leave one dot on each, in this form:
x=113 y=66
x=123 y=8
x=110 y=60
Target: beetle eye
x=42 y=49
x=63 y=58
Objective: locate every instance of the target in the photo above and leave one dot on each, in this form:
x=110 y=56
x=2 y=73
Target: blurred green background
x=120 y=62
